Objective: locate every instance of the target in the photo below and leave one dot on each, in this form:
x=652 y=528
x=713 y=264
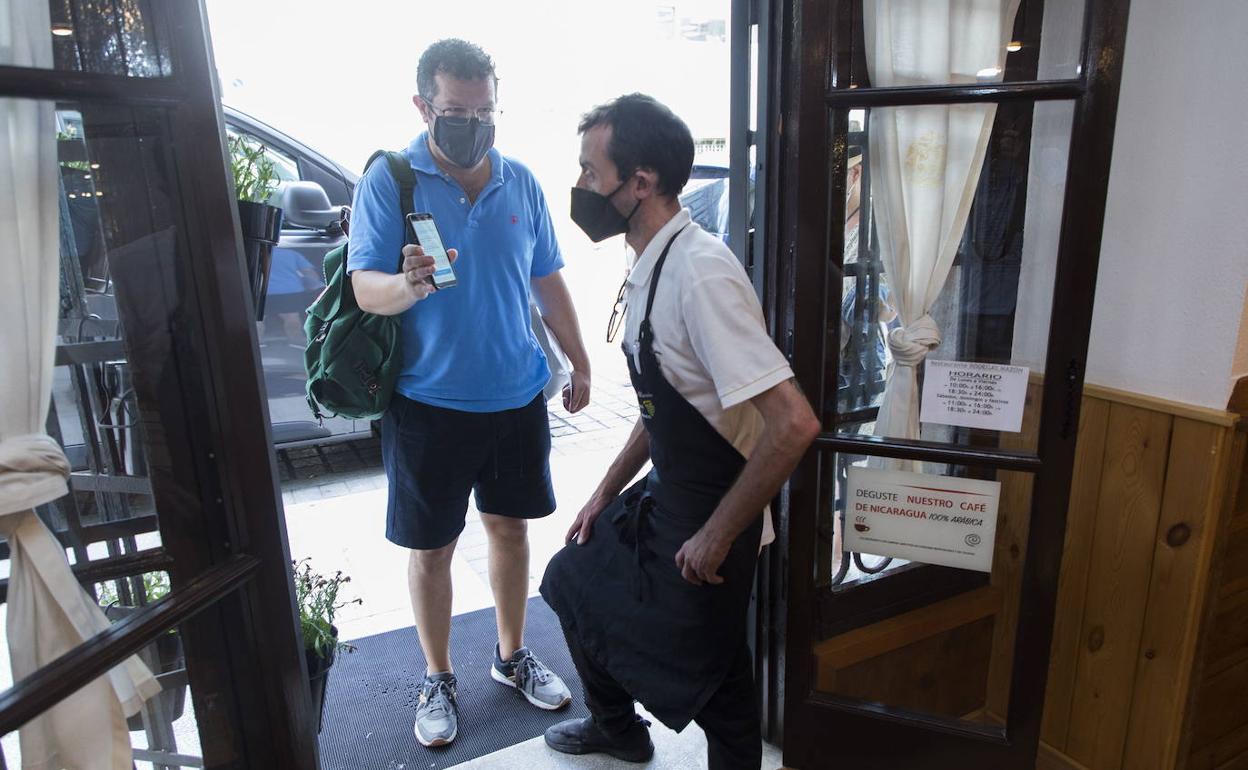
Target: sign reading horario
x=921 y=517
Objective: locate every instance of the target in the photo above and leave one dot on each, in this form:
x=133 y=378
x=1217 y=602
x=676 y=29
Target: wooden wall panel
x=1227 y=753
x=1194 y=498
x=1220 y=709
x=1235 y=571
x=1076 y=563
x=1227 y=643
x=1136 y=451
x=1217 y=725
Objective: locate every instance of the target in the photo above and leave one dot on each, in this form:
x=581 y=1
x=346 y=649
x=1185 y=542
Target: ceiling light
x=1014 y=46
x=61 y=29
x=988 y=73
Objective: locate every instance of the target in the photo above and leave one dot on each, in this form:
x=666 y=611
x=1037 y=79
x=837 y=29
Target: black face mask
x=464 y=141
x=595 y=214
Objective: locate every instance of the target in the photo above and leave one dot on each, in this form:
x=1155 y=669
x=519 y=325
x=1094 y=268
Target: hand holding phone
x=430 y=241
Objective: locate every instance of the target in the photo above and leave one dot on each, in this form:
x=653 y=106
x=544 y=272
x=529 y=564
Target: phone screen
x=431 y=242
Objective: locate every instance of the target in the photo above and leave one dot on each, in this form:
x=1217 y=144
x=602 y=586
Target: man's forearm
x=381 y=293
x=627 y=464
x=555 y=302
x=779 y=450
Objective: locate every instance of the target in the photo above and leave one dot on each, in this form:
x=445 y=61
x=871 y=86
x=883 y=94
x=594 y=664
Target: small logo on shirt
x=515 y=220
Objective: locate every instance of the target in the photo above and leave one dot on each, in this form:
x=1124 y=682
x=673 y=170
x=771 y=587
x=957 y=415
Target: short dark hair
x=458 y=58
x=645 y=134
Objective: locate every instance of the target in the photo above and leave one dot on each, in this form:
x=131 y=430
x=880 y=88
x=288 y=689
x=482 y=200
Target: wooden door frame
x=214 y=478
x=811 y=84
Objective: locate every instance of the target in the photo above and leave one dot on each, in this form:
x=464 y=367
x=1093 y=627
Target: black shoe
x=584 y=736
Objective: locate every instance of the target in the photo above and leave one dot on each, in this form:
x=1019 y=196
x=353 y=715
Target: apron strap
x=645 y=332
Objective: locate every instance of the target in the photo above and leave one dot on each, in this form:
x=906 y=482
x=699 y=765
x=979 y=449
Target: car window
x=287 y=167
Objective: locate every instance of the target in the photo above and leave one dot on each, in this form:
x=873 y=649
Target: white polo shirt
x=709 y=334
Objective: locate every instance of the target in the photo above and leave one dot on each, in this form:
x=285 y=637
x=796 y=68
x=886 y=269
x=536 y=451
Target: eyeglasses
x=617 y=314
x=486 y=115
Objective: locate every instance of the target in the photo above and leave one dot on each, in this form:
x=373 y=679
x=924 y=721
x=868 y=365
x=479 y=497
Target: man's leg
x=730 y=720
x=614 y=729
x=429 y=582
x=509 y=578
x=611 y=706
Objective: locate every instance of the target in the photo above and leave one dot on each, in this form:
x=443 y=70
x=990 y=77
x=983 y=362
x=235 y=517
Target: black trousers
x=729 y=719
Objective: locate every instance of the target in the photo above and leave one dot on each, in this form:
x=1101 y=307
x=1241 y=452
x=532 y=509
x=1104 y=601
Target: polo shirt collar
x=640 y=274
x=421 y=158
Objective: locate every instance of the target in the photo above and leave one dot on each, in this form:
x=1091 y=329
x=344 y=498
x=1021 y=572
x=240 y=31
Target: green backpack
x=352 y=357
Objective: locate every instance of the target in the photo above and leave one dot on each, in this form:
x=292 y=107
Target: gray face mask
x=464 y=141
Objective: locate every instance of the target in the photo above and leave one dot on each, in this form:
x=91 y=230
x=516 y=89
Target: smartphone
x=430 y=240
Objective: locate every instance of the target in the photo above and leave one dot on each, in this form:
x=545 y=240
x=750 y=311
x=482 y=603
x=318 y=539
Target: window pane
x=974 y=234
x=908 y=630
x=102 y=37
x=918 y=43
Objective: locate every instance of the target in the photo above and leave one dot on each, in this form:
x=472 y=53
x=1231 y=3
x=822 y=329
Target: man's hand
x=583 y=526
x=576 y=392
x=700 y=557
x=417 y=267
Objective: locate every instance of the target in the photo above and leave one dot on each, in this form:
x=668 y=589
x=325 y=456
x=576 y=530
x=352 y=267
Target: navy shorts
x=435 y=456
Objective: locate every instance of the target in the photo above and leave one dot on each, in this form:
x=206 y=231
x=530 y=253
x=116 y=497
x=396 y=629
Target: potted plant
x=165 y=654
x=317 y=597
x=255 y=181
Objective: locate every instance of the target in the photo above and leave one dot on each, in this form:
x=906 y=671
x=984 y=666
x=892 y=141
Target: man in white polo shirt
x=653 y=587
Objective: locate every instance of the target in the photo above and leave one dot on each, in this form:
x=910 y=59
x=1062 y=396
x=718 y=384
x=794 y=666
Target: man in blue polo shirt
x=468 y=413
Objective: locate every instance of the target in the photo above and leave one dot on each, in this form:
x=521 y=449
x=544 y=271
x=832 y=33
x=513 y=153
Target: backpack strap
x=403 y=174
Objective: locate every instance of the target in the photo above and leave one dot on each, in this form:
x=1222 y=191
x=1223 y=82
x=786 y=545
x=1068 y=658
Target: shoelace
x=529 y=667
x=435 y=688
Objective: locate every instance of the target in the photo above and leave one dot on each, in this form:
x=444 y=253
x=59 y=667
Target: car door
x=295 y=279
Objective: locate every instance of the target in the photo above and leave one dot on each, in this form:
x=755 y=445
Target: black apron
x=666 y=641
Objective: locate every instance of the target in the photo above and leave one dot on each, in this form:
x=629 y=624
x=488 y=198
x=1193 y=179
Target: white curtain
x=925 y=164
x=49 y=613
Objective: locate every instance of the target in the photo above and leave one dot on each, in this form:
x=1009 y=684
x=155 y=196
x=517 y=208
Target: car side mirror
x=305 y=204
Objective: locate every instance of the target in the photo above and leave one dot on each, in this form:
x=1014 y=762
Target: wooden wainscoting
x=1218 y=722
x=1138 y=613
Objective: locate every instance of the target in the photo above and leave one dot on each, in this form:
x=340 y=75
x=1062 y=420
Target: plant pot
x=318 y=678
x=165 y=655
x=262 y=226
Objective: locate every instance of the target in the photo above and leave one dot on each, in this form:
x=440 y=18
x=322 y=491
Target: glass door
x=173 y=520
x=939 y=216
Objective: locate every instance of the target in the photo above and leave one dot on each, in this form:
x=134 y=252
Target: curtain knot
x=33 y=470
x=911 y=344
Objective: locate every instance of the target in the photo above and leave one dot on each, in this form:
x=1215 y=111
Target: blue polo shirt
x=470 y=347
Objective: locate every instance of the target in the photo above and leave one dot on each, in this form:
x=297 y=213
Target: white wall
x=1174 y=260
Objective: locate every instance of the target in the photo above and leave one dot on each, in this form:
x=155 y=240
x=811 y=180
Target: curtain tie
x=33 y=471
x=911 y=344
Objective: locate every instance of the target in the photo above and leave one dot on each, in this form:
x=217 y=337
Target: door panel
x=158 y=384
x=909 y=657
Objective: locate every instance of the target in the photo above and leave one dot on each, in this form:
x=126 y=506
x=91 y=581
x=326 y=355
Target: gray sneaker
x=538 y=684
x=437 y=715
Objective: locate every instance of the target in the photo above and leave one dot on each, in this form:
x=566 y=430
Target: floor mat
x=371 y=702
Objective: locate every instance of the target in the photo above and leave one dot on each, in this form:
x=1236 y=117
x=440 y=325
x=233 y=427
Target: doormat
x=371 y=701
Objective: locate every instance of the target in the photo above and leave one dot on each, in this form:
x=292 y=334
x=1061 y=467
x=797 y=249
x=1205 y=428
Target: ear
x=422 y=107
x=647 y=183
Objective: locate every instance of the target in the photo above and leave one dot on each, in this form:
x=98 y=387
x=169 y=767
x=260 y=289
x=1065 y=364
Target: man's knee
x=431 y=561
x=505 y=530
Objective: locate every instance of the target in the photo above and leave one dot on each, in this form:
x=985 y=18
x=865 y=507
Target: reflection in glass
x=996 y=295
x=110 y=37
x=1022 y=41
x=945 y=652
